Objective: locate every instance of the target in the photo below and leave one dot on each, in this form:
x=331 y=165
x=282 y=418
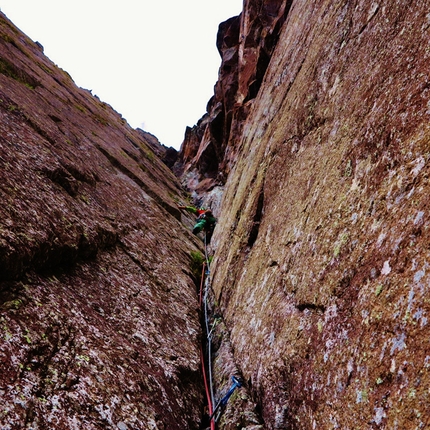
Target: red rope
x=202 y=358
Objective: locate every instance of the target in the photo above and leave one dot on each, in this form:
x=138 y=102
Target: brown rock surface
x=99 y=326
x=245 y=44
x=320 y=277
x=167 y=155
x=322 y=261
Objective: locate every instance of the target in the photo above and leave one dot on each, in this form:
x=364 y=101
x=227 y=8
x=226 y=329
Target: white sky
x=153 y=61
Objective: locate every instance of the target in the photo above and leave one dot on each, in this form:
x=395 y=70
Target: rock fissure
x=311 y=306
x=223 y=368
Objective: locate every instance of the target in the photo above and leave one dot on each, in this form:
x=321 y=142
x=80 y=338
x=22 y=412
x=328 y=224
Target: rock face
x=245 y=44
x=167 y=155
x=322 y=260
x=319 y=128
x=98 y=311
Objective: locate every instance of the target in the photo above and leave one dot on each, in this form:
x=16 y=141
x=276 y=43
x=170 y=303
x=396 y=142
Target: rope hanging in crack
x=214 y=413
x=202 y=357
x=208 y=381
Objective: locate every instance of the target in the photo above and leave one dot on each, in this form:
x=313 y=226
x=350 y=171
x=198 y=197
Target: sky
x=153 y=61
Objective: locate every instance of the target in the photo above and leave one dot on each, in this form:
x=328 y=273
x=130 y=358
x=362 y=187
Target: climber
x=205 y=220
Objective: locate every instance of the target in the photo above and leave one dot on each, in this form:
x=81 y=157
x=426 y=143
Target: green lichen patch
x=10 y=70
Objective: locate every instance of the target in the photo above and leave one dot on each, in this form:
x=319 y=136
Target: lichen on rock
x=321 y=260
x=99 y=322
x=316 y=140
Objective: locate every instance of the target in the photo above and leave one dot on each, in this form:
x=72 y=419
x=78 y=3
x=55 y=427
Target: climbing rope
x=208 y=376
x=208 y=387
x=206 y=251
x=208 y=380
x=209 y=339
x=210 y=407
x=208 y=332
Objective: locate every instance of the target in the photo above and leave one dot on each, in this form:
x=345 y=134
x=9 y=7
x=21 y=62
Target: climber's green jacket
x=205 y=220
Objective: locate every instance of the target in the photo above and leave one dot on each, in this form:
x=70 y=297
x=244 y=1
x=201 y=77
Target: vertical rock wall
x=245 y=43
x=322 y=261
x=99 y=324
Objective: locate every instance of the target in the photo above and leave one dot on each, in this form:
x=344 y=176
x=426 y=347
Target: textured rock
x=321 y=268
x=224 y=368
x=245 y=44
x=167 y=155
x=99 y=326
